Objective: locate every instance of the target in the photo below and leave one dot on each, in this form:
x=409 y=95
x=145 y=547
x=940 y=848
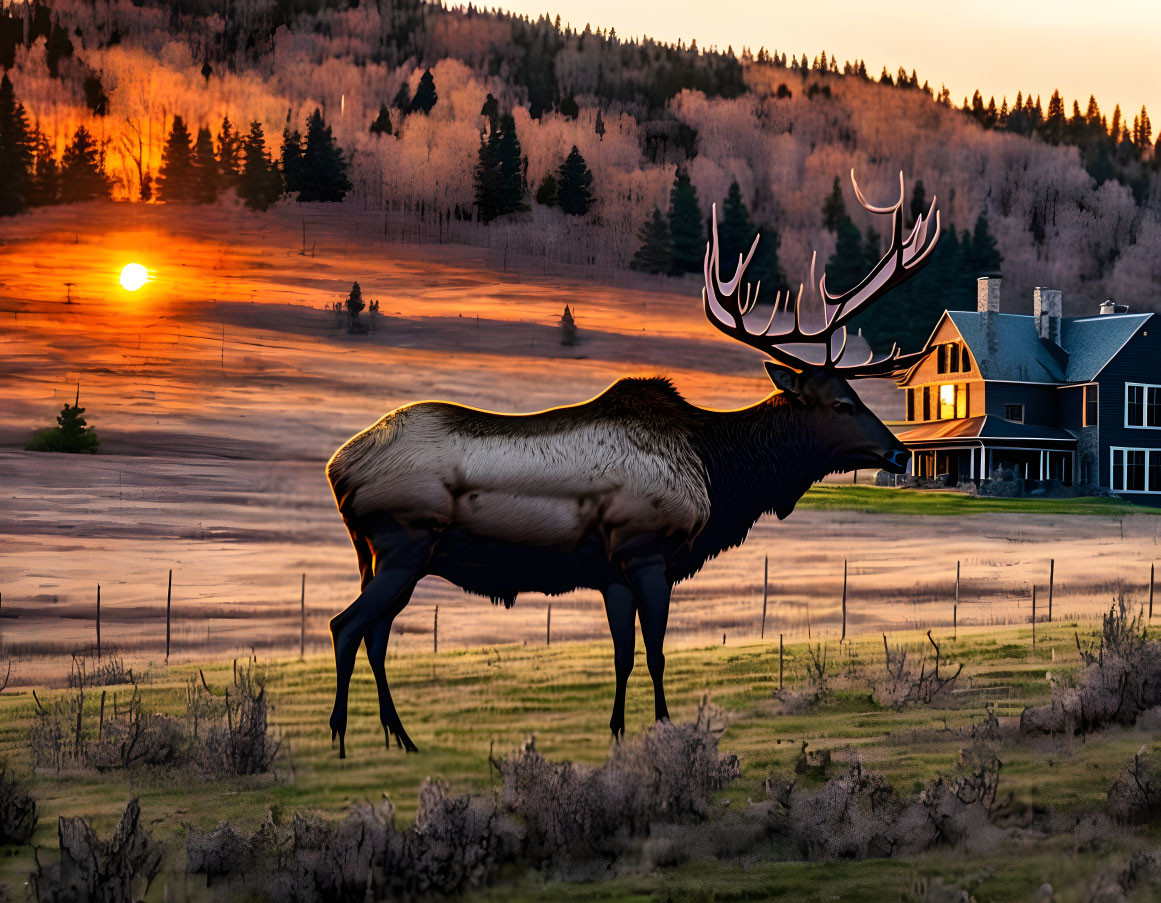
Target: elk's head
x=812 y=364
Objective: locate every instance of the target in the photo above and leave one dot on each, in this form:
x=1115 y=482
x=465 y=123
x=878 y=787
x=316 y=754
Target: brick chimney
x=988 y=294
x=1047 y=308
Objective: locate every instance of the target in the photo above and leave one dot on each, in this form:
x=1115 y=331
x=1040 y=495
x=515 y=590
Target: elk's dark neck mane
x=759 y=460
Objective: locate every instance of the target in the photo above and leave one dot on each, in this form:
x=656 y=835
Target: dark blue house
x=1039 y=395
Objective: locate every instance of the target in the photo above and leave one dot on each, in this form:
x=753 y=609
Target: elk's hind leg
x=619 y=610
x=651 y=590
x=399 y=561
x=376 y=640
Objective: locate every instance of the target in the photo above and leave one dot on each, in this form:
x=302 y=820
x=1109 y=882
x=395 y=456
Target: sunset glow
x=133 y=276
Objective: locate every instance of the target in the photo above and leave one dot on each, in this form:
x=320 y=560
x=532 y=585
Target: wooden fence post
x=302 y=609
x=435 y=633
x=808 y=619
x=765 y=595
x=955 y=607
x=168 y=613
x=1151 y=572
x=1033 y=618
x=779 y=661
x=844 y=636
x=98 y=623
x=1051 y=577
x=548 y=627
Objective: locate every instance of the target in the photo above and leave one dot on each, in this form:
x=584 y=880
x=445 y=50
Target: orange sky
x=1108 y=49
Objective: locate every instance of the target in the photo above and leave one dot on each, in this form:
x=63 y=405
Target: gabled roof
x=985 y=426
x=1009 y=347
x=1094 y=341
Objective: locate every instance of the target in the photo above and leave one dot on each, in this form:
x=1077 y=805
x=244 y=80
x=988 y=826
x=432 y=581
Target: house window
x=1092 y=395
x=941 y=359
x=947 y=401
x=910 y=404
x=926 y=402
x=965 y=360
x=1136 y=470
x=1142 y=406
x=1014 y=412
x=953 y=358
x=961 y=402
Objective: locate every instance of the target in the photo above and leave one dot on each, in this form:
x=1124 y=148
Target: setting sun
x=133 y=276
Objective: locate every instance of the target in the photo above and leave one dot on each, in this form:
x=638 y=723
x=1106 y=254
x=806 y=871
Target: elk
x=628 y=493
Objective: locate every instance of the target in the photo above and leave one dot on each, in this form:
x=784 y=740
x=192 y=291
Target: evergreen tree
x=355 y=305
x=56 y=48
x=487 y=175
x=15 y=152
x=510 y=183
x=175 y=181
x=205 y=168
x=982 y=254
x=45 y=185
x=82 y=170
x=292 y=160
x=918 y=201
x=95 y=97
x=147 y=186
x=1054 y=121
x=655 y=255
x=546 y=193
x=686 y=230
x=569 y=108
x=599 y=126
x=382 y=123
x=260 y=184
x=324 y=171
x=71 y=434
x=425 y=96
x=229 y=153
x=834 y=208
x=848 y=264
x=574 y=184
x=491 y=109
x=567 y=328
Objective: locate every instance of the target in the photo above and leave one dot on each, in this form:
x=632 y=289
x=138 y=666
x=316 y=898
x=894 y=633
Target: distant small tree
x=175 y=181
x=205 y=168
x=373 y=311
x=569 y=108
x=599 y=126
x=567 y=328
x=82 y=171
x=324 y=171
x=491 y=109
x=146 y=192
x=95 y=97
x=655 y=254
x=487 y=174
x=16 y=152
x=229 y=153
x=382 y=123
x=686 y=229
x=847 y=265
x=510 y=182
x=58 y=47
x=834 y=208
x=546 y=192
x=574 y=185
x=984 y=253
x=292 y=160
x=260 y=184
x=45 y=187
x=355 y=305
x=425 y=95
x=71 y=434
x=918 y=201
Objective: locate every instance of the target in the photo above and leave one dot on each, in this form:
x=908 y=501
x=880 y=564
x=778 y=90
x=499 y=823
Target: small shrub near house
x=71 y=434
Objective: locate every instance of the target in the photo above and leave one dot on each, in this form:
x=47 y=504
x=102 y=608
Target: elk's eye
x=843 y=407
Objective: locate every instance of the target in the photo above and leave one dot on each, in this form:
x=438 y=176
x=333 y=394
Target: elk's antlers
x=786 y=336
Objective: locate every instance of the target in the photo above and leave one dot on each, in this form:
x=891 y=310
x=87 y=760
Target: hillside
x=635 y=111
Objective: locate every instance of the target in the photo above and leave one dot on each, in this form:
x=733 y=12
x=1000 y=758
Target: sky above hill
x=998 y=46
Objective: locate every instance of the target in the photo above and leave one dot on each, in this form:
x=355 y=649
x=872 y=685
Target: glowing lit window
x=947 y=402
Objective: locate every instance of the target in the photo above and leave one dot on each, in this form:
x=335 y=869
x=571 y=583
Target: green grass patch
x=884 y=500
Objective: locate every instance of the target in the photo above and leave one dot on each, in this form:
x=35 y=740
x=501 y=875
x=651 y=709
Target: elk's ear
x=785 y=379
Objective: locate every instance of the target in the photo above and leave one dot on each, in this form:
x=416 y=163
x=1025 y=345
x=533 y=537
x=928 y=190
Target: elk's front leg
x=651 y=591
x=619 y=611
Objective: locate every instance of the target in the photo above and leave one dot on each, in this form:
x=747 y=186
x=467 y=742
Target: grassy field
x=881 y=500
x=459 y=707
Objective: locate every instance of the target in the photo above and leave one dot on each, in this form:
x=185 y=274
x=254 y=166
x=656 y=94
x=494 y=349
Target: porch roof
x=984 y=427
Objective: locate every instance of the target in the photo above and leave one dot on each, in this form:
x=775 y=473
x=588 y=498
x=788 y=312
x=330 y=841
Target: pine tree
x=848 y=264
x=510 y=183
x=599 y=125
x=425 y=95
x=382 y=123
x=56 y=48
x=1054 y=121
x=45 y=185
x=229 y=154
x=260 y=184
x=487 y=175
x=82 y=170
x=686 y=230
x=574 y=184
x=15 y=152
x=292 y=160
x=324 y=171
x=567 y=328
x=918 y=201
x=95 y=97
x=983 y=254
x=205 y=168
x=71 y=434
x=655 y=255
x=355 y=305
x=834 y=208
x=546 y=192
x=175 y=181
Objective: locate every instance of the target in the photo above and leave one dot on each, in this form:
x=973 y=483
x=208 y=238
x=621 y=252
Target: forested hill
x=473 y=115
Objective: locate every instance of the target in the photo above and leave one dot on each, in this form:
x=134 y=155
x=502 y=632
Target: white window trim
x=1144 y=406
x=1148 y=490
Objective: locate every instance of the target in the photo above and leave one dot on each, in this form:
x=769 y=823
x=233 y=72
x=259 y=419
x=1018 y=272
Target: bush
x=18 y=812
x=1135 y=794
x=906 y=683
x=96 y=870
x=71 y=434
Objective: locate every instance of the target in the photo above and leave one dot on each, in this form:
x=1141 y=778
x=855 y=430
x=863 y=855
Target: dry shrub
x=1121 y=680
x=908 y=682
x=933 y=890
x=233 y=736
x=111 y=670
x=100 y=871
x=18 y=812
x=1138 y=879
x=1135 y=794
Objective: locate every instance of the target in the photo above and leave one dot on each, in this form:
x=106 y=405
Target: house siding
x=1136 y=363
x=1040 y=403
